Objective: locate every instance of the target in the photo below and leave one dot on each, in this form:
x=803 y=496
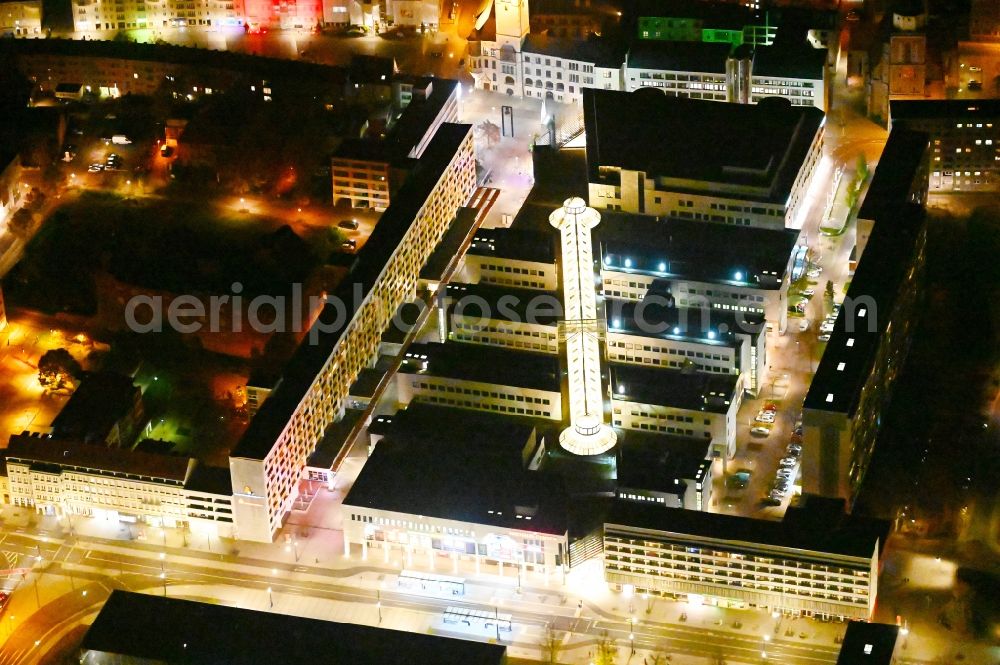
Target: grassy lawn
x=155 y=244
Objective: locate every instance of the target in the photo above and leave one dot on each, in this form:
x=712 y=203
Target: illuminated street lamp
x=270 y=598
x=763 y=650
x=378 y=604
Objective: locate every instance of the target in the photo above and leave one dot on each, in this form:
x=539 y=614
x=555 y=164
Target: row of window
x=499 y=408
x=481 y=393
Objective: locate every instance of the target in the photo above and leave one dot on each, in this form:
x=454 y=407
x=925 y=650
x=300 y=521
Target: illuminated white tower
x=587 y=434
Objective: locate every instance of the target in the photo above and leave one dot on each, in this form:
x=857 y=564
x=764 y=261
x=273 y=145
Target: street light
x=631 y=633
x=270 y=598
x=378 y=604
x=763 y=650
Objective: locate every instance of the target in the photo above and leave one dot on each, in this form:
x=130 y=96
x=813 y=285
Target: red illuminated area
x=264 y=14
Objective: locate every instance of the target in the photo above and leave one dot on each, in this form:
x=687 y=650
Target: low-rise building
x=817 y=561
x=735 y=164
x=867 y=643
x=146 y=628
x=452 y=482
x=110 y=15
x=665 y=470
x=683 y=403
x=482 y=378
x=964 y=153
x=559 y=69
x=105 y=409
x=21 y=18
x=65 y=477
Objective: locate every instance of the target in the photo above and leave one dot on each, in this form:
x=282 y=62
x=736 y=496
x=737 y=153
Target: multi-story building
x=559 y=69
x=707 y=340
x=366 y=171
x=21 y=18
x=898 y=67
x=361 y=174
x=742 y=165
x=984 y=21
x=686 y=263
x=575 y=19
x=853 y=384
x=522 y=319
x=684 y=403
x=482 y=378
x=268 y=462
x=105 y=409
x=817 y=561
x=104 y=15
x=521 y=259
x=159 y=630
x=666 y=470
x=10 y=181
x=474 y=497
x=66 y=477
x=495 y=47
x=964 y=153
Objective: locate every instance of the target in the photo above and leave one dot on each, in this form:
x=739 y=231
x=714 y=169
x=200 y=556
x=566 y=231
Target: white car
x=808 y=293
x=814 y=272
x=760 y=431
x=803 y=325
x=825 y=337
x=95 y=168
x=765 y=417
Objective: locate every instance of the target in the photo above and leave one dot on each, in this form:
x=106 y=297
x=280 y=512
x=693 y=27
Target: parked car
x=975 y=85
x=787 y=462
x=760 y=431
x=814 y=272
x=348 y=224
x=95 y=168
x=808 y=293
x=853 y=16
x=825 y=337
x=349 y=245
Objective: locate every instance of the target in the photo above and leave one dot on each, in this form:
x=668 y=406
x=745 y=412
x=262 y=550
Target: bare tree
x=490 y=132
x=551 y=645
x=606 y=652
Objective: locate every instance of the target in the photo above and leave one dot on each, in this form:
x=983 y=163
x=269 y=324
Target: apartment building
x=361 y=174
x=511 y=258
x=21 y=18
x=66 y=477
x=737 y=164
x=468 y=376
x=557 y=68
x=654 y=333
x=105 y=15
x=817 y=561
x=666 y=470
x=365 y=172
x=687 y=263
x=964 y=153
x=520 y=319
x=474 y=497
x=268 y=461
x=115 y=68
x=853 y=384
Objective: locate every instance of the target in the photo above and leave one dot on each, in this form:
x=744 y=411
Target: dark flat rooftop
x=521 y=245
x=696 y=250
x=506 y=303
x=706 y=326
x=943 y=109
x=447 y=255
x=655 y=461
x=681 y=389
x=173 y=631
x=868 y=644
x=888 y=257
x=101 y=400
x=485 y=364
x=210 y=480
x=309 y=358
x=843 y=534
x=599 y=51
x=417 y=118
x=697 y=57
x=66 y=453
x=460 y=465
x=760 y=146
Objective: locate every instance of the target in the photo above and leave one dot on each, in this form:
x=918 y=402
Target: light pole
x=763 y=647
x=294 y=548
x=163 y=577
x=270 y=598
x=631 y=633
x=378 y=604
